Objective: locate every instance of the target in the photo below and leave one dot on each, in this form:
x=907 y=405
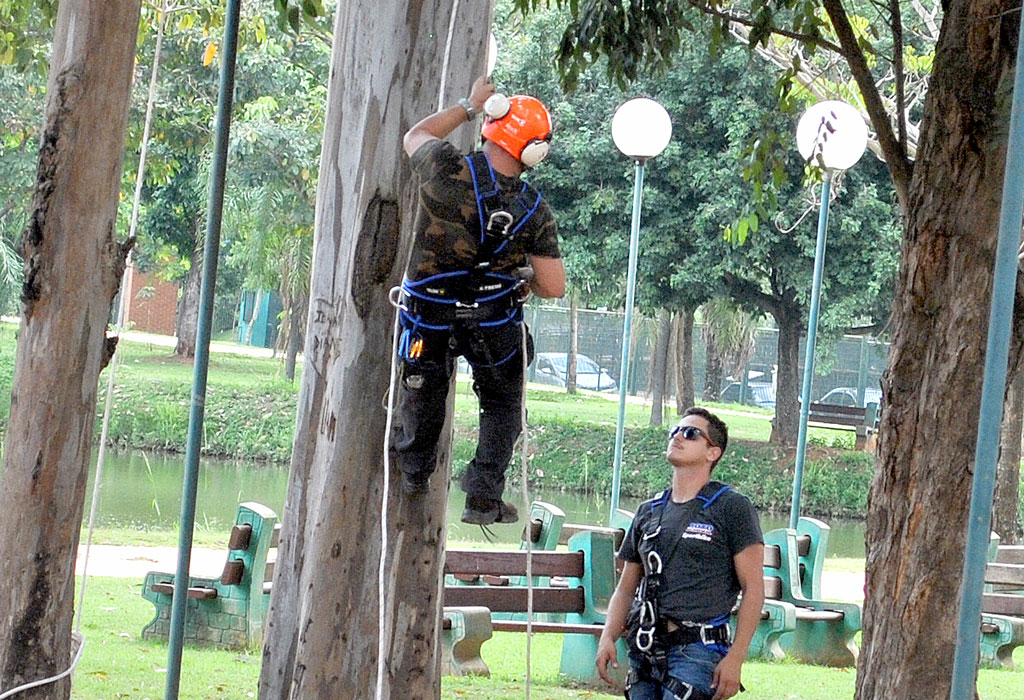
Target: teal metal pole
x=627 y=328
x=1000 y=321
x=812 y=331
x=211 y=250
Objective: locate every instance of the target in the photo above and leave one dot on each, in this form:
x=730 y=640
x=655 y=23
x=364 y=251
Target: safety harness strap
x=501 y=216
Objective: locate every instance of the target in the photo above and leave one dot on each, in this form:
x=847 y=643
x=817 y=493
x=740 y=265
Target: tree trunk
x=919 y=498
x=786 y=424
x=713 y=374
x=659 y=368
x=188 y=309
x=574 y=345
x=322 y=632
x=685 y=392
x=1004 y=511
x=295 y=314
x=73 y=266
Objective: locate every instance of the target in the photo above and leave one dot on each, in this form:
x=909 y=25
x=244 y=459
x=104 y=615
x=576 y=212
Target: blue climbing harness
x=477 y=296
x=651 y=638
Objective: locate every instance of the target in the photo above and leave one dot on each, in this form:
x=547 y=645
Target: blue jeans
x=694 y=664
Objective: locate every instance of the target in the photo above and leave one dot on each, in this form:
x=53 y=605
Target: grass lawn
x=118 y=664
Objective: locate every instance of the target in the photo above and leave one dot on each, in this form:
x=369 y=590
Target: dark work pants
x=495 y=356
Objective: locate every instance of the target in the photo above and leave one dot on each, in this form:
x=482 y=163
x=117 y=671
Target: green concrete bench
x=229 y=611
x=588 y=572
x=1002 y=607
x=824 y=629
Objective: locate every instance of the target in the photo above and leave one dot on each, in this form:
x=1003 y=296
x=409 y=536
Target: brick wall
x=153 y=303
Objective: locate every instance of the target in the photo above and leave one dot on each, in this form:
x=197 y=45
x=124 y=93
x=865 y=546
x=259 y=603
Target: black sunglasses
x=691 y=432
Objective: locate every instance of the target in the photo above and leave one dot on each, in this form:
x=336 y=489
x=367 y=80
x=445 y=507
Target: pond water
x=142 y=490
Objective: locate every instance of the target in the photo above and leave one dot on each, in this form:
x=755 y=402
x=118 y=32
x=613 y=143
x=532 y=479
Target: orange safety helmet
x=523 y=130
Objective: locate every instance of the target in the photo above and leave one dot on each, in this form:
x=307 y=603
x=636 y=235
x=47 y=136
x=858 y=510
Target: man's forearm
x=615 y=622
x=747 y=619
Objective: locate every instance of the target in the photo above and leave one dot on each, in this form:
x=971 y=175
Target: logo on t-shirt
x=699 y=531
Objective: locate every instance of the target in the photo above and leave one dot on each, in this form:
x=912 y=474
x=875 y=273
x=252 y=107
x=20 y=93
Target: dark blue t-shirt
x=697 y=546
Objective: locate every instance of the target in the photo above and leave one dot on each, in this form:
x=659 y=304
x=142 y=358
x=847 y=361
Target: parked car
x=847 y=396
x=552 y=369
x=758 y=394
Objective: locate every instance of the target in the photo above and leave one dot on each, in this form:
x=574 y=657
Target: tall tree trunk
x=1004 y=511
x=685 y=392
x=322 y=632
x=786 y=423
x=574 y=345
x=188 y=310
x=73 y=265
x=713 y=373
x=919 y=498
x=659 y=367
x=298 y=309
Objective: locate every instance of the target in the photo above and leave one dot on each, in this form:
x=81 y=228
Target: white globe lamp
x=641 y=128
x=832 y=134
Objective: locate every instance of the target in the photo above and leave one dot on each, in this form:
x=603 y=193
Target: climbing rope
x=77 y=646
x=524 y=452
x=385 y=494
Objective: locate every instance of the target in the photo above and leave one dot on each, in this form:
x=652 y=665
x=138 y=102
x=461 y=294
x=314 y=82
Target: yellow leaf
x=209 y=54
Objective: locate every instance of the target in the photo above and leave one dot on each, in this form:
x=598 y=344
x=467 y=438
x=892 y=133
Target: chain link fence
x=850 y=367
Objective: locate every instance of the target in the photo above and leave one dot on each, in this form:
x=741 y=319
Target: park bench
x=229 y=611
x=577 y=584
x=824 y=630
x=1002 y=607
x=863 y=420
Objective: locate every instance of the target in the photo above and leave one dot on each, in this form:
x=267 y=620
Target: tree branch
x=900 y=166
x=748 y=291
x=896 y=24
x=805 y=38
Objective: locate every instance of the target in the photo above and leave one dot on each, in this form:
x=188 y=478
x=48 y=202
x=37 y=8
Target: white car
x=847 y=396
x=551 y=368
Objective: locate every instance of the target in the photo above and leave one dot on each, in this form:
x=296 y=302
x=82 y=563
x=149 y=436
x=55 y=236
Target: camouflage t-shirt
x=447 y=225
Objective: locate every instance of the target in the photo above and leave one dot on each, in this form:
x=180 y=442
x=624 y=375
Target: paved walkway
x=136 y=562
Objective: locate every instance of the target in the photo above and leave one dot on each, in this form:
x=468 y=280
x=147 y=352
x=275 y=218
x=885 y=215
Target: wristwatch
x=471 y=111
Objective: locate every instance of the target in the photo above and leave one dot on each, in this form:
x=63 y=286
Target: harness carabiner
x=498 y=223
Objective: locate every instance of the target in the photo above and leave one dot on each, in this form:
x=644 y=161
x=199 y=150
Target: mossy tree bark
x=322 y=634
x=73 y=267
x=919 y=499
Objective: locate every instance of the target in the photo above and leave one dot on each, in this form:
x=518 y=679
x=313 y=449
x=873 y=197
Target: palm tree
x=728 y=335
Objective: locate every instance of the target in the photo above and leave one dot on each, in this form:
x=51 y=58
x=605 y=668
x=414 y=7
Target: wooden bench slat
x=773 y=587
x=803 y=545
x=233 y=571
x=773 y=556
x=276 y=537
x=545 y=627
x=502 y=562
x=1003 y=604
x=240 y=536
x=513 y=598
x=1009 y=574
x=199 y=592
x=1010 y=554
x=570 y=529
x=818 y=615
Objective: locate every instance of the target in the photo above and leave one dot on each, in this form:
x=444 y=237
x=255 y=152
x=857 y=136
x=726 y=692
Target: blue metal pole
x=211 y=249
x=627 y=328
x=1000 y=320
x=812 y=331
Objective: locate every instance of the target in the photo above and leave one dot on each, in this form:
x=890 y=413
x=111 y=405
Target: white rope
x=447 y=55
x=76 y=638
x=385 y=494
x=529 y=521
x=122 y=313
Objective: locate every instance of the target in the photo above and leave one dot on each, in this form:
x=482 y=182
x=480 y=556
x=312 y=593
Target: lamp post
x=831 y=135
x=641 y=129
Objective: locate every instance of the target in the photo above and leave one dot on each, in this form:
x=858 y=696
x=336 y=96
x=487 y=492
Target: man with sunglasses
x=687 y=556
